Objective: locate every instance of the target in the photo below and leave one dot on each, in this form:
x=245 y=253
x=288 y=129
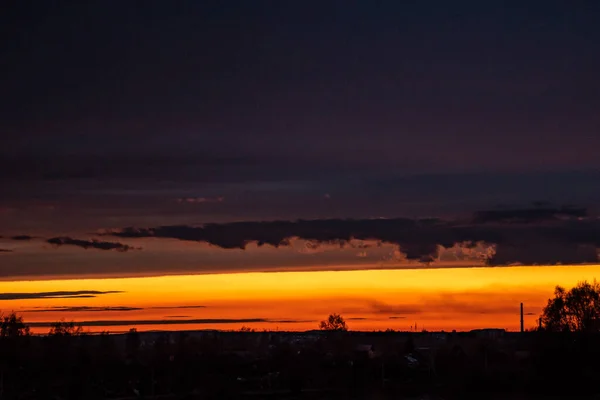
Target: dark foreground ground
x=312 y=365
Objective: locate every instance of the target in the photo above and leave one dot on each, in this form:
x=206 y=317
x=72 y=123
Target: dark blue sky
x=296 y=109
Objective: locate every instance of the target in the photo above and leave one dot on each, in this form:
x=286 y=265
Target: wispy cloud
x=22 y=237
x=99 y=309
x=172 y=322
x=452 y=303
x=175 y=307
x=90 y=244
x=537 y=214
x=83 y=308
x=383 y=308
x=200 y=200
x=55 y=295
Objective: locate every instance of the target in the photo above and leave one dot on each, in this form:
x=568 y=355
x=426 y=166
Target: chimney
x=522 y=324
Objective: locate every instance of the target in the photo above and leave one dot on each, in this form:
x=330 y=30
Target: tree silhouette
x=334 y=322
x=13 y=326
x=246 y=329
x=574 y=310
x=63 y=328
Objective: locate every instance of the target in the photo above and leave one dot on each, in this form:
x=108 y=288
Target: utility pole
x=522 y=322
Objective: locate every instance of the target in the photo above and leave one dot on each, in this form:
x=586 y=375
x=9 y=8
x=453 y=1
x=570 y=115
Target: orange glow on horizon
x=434 y=299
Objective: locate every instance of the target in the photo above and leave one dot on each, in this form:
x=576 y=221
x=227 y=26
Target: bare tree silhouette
x=63 y=328
x=246 y=329
x=334 y=322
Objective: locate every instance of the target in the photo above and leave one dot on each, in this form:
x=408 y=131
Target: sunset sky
x=211 y=164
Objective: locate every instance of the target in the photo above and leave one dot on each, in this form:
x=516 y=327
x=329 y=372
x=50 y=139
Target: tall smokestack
x=522 y=324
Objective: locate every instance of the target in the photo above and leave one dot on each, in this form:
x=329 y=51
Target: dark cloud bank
x=539 y=235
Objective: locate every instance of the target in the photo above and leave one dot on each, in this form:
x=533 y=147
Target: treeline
x=69 y=364
x=13 y=325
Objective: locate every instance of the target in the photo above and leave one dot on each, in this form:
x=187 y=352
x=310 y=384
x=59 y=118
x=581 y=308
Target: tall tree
x=574 y=310
x=13 y=326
